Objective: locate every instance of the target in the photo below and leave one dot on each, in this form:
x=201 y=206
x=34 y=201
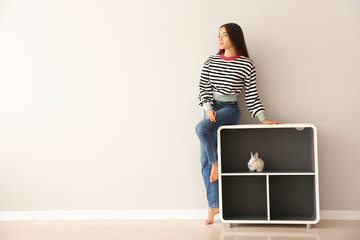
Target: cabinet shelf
x=293 y=217
x=282 y=172
x=247 y=217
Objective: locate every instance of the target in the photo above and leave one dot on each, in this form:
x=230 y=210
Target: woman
x=222 y=78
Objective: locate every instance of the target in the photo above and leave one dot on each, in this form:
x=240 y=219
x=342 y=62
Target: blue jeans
x=227 y=113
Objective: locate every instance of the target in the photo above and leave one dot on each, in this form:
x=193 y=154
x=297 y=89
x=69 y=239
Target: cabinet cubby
x=244 y=197
x=286 y=191
x=292 y=197
x=283 y=149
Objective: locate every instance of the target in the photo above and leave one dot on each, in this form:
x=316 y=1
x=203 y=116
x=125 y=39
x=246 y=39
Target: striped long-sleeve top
x=228 y=76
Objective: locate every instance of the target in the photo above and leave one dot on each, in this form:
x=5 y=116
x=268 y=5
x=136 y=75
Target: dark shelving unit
x=286 y=191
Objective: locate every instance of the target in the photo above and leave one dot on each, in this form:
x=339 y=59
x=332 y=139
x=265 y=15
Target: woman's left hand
x=266 y=121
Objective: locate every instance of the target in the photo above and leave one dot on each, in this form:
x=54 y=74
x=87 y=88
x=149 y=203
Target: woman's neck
x=230 y=52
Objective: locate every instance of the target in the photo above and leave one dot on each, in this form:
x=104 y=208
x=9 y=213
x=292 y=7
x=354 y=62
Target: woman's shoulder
x=213 y=57
x=246 y=60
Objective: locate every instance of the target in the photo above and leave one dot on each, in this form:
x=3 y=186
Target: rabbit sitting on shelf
x=255 y=163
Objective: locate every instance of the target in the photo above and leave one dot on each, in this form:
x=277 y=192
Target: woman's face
x=224 y=40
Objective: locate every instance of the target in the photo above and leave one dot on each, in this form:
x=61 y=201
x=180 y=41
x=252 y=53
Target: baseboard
x=340 y=215
x=142 y=214
x=103 y=214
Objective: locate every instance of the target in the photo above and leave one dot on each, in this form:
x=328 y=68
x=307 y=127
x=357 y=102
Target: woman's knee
x=198 y=128
x=203 y=127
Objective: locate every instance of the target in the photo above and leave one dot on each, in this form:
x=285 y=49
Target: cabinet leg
x=308 y=226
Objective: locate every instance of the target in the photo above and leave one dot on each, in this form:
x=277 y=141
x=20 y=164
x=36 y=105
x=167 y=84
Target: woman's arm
x=252 y=98
x=205 y=95
x=253 y=101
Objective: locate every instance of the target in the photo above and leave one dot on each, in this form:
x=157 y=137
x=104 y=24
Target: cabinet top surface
x=286 y=125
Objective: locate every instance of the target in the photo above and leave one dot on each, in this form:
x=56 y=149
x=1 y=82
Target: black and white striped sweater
x=228 y=76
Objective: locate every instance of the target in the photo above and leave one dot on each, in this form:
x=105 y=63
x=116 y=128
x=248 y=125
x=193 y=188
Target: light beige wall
x=98 y=99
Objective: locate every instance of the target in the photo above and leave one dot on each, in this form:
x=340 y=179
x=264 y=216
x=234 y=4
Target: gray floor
x=172 y=229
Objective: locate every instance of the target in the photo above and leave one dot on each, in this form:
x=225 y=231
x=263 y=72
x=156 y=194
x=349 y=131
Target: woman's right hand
x=211 y=114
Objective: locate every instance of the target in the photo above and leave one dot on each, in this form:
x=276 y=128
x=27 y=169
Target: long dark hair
x=236 y=36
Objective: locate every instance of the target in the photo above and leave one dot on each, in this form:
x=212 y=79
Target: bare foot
x=212 y=212
x=214 y=172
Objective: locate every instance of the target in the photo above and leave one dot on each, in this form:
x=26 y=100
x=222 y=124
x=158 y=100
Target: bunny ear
x=256 y=155
x=252 y=155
